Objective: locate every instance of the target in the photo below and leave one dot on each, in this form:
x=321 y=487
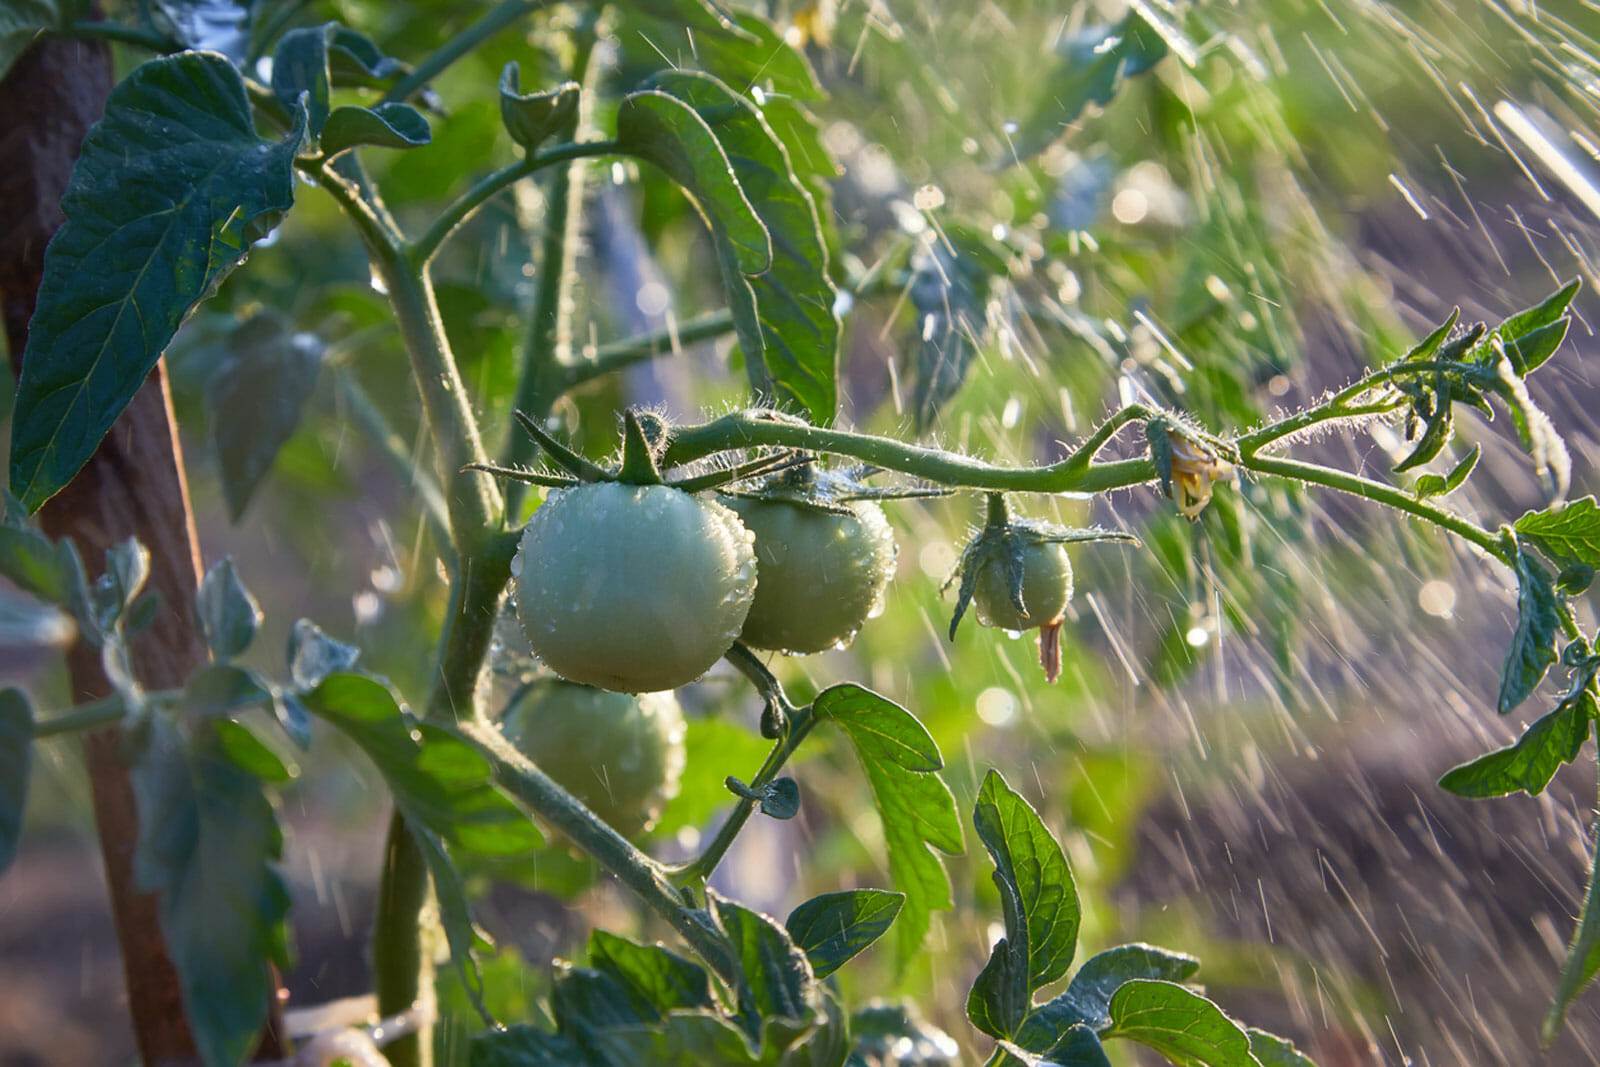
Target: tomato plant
x=1097 y=278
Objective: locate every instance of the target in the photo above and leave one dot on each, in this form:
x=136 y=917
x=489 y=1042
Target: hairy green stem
x=617 y=355
x=486 y=188
x=1399 y=499
x=565 y=814
x=801 y=720
x=1074 y=474
x=496 y=19
x=547 y=345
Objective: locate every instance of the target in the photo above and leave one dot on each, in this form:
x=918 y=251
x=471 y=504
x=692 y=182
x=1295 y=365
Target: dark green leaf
x=1533 y=644
x=31 y=560
x=1180 y=1024
x=255 y=398
x=16 y=761
x=170 y=189
x=438 y=780
x=1444 y=484
x=586 y=1001
x=20 y=22
x=833 y=928
x=1525 y=331
x=778 y=984
x=300 y=71
x=229 y=615
x=1078 y=1047
x=313 y=655
x=667 y=132
x=686 y=1038
x=208 y=847
x=1435 y=435
x=1087 y=1000
x=391 y=125
x=533 y=117
x=780 y=799
x=523 y=1046
x=663 y=979
x=353 y=60
x=948 y=294
x=764 y=60
x=1531 y=762
x=1273 y=1051
x=799 y=330
x=1429 y=345
x=1093 y=65
x=1030 y=864
x=919 y=814
x=1567 y=533
x=1574 y=579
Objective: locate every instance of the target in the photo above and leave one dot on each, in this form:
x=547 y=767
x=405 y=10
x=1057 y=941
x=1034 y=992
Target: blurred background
x=1242 y=752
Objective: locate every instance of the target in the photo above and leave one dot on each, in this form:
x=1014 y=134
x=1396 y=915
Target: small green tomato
x=1046 y=588
x=634 y=588
x=820 y=574
x=620 y=754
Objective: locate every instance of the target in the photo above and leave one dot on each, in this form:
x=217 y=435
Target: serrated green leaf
x=1530 y=763
x=798 y=328
x=391 y=125
x=1273 y=1051
x=1092 y=68
x=778 y=986
x=1180 y=1024
x=834 y=928
x=170 y=189
x=438 y=780
x=255 y=398
x=1533 y=643
x=300 y=72
x=16 y=763
x=229 y=615
x=1030 y=862
x=523 y=1046
x=918 y=812
x=20 y=22
x=532 y=118
x=667 y=132
x=1444 y=484
x=1087 y=999
x=208 y=848
x=663 y=979
x=1567 y=533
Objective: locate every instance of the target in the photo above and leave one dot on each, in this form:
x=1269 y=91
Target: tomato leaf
x=1444 y=484
x=1533 y=643
x=798 y=355
x=1180 y=1024
x=834 y=928
x=901 y=762
x=684 y=1037
x=300 y=72
x=531 y=118
x=391 y=125
x=208 y=847
x=229 y=615
x=1567 y=533
x=1273 y=1051
x=1529 y=764
x=170 y=189
x=948 y=292
x=779 y=992
x=665 y=980
x=1040 y=903
x=1087 y=1000
x=1531 y=336
x=1583 y=955
x=1079 y=1047
x=313 y=655
x=16 y=761
x=21 y=21
x=439 y=781
x=523 y=1046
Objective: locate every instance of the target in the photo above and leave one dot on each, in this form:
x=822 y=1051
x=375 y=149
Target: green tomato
x=819 y=574
x=1046 y=588
x=634 y=588
x=622 y=755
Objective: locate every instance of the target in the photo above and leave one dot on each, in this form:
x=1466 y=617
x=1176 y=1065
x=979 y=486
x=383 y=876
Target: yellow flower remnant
x=1195 y=468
